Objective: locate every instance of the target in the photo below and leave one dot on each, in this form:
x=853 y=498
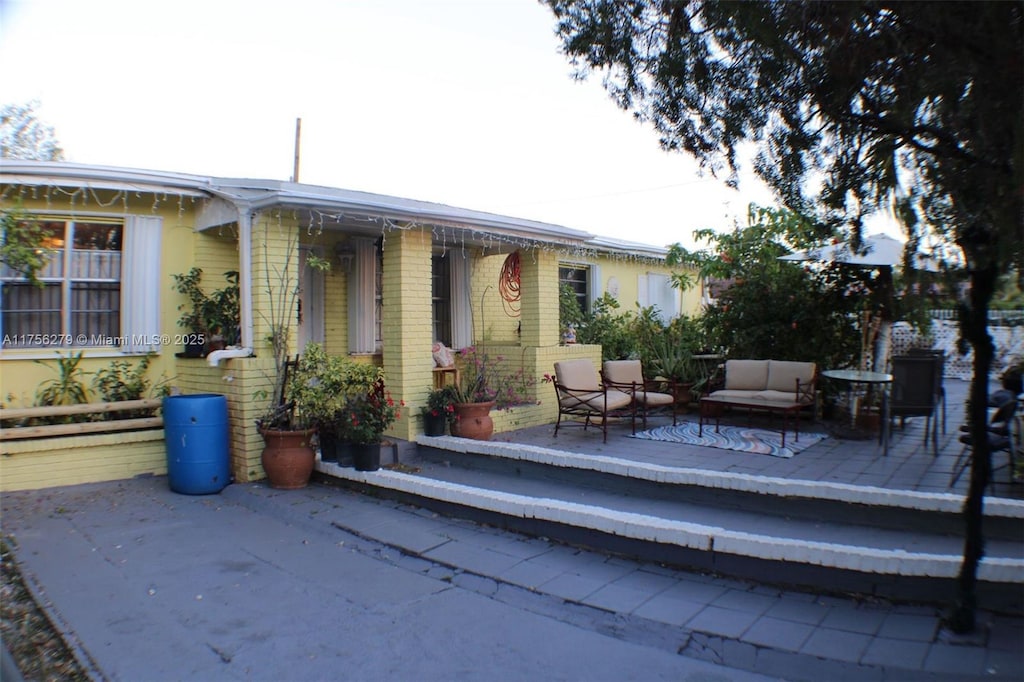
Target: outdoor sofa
x=785 y=387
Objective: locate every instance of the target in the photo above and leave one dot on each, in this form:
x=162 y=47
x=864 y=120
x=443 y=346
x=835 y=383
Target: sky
x=462 y=102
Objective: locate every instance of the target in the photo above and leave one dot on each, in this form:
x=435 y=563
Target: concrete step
x=834 y=537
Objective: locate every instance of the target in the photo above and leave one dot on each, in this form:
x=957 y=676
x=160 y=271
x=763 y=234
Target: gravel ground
x=36 y=646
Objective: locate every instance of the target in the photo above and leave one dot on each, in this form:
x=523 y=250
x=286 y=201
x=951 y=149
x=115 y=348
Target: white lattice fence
x=1009 y=343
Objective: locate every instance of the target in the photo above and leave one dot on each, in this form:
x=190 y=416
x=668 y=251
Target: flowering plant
x=484 y=379
x=440 y=402
x=369 y=415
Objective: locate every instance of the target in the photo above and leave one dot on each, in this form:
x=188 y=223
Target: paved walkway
x=326 y=583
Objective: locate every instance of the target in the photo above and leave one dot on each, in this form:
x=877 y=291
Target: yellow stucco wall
x=70 y=460
x=19 y=374
x=626 y=273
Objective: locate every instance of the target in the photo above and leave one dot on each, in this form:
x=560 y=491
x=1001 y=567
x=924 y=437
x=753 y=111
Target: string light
x=448 y=233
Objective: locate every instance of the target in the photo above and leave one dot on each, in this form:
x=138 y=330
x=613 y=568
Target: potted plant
x=485 y=383
x=439 y=410
x=288 y=455
x=288 y=428
x=212 y=320
x=347 y=381
x=316 y=391
x=367 y=416
x=675 y=365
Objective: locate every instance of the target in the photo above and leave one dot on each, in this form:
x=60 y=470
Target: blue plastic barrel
x=196 y=435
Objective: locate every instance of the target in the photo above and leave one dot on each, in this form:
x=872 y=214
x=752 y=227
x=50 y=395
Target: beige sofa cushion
x=578 y=375
x=782 y=375
x=746 y=375
x=624 y=372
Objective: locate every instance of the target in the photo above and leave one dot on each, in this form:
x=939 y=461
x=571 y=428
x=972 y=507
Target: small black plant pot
x=328 y=446
x=366 y=456
x=434 y=425
x=195 y=347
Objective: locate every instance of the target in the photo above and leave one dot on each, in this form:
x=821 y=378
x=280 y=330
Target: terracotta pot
x=684 y=395
x=288 y=457
x=473 y=420
x=869 y=421
x=366 y=456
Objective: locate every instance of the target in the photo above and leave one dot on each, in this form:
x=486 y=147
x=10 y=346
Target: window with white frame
x=99 y=287
x=78 y=298
x=656 y=290
x=575 y=277
x=441 y=298
x=584 y=279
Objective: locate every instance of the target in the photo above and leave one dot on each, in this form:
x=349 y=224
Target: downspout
x=244 y=288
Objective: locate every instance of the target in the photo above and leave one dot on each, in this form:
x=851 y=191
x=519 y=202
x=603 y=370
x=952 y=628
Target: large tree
x=24 y=136
x=852 y=107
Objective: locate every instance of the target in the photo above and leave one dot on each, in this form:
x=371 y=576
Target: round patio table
x=852 y=377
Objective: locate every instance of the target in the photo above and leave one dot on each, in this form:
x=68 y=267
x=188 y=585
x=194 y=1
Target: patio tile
x=896 y=653
x=851 y=619
x=955 y=660
x=778 y=634
x=724 y=622
x=669 y=609
x=909 y=627
x=530 y=574
x=807 y=612
x=701 y=591
x=1005 y=634
x=572 y=587
x=745 y=601
x=643 y=580
x=472 y=558
x=837 y=645
x=618 y=598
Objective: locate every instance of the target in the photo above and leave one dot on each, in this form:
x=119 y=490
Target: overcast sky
x=463 y=102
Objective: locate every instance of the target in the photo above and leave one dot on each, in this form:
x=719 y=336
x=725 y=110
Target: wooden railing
x=15 y=414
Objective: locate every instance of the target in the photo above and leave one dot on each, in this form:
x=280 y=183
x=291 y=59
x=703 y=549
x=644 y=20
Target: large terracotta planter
x=473 y=420
x=288 y=457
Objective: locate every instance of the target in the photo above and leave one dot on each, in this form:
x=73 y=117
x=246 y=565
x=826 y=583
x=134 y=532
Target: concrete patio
x=909 y=465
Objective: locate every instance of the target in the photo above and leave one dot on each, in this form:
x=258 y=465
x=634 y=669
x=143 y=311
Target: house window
x=79 y=301
x=441 y=297
x=576 y=277
x=365 y=292
x=656 y=290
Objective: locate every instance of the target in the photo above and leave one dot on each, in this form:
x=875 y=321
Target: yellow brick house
x=403 y=274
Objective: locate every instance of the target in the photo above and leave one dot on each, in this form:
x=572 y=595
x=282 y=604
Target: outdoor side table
x=853 y=377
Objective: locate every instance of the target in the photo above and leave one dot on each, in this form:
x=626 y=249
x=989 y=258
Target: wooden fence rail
x=20 y=432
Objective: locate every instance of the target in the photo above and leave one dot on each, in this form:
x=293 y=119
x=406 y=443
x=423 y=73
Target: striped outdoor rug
x=739 y=438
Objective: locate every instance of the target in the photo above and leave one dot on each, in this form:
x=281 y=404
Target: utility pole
x=298 y=134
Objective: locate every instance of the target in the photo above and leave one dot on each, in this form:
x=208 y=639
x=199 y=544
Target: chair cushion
x=578 y=375
x=746 y=375
x=624 y=372
x=782 y=374
x=616 y=401
x=780 y=397
x=652 y=399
